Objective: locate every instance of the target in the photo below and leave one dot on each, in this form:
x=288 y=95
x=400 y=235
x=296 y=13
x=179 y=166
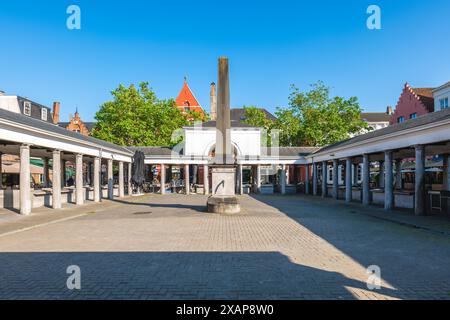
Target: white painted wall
x=442 y=93
x=10 y=103
x=198 y=142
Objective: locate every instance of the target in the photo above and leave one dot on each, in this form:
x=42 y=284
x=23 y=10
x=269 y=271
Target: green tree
x=313 y=118
x=257 y=117
x=136 y=117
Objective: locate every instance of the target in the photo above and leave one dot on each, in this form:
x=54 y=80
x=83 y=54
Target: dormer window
x=44 y=113
x=27 y=108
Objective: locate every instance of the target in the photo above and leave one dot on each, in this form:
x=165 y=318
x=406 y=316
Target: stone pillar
x=389 y=181
x=45 y=177
x=187 y=182
x=121 y=181
x=335 y=179
x=419 y=198
x=79 y=179
x=398 y=174
x=205 y=179
x=288 y=177
x=366 y=180
x=348 y=179
x=162 y=181
x=258 y=178
x=307 y=180
x=130 y=187
x=56 y=183
x=315 y=178
x=381 y=174
x=446 y=177
x=1 y=171
x=25 y=188
x=241 y=186
x=110 y=180
x=324 y=179
x=283 y=179
x=63 y=173
x=97 y=183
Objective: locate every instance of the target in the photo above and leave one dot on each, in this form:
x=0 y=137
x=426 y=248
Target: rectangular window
x=413 y=115
x=27 y=108
x=400 y=119
x=44 y=112
x=444 y=103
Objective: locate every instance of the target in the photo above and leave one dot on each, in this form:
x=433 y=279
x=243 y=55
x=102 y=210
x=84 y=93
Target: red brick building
x=187 y=102
x=77 y=125
x=413 y=102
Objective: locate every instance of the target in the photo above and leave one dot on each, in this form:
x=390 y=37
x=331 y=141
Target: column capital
x=419 y=147
x=25 y=146
x=56 y=151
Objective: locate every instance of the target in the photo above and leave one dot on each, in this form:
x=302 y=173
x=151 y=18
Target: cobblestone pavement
x=167 y=247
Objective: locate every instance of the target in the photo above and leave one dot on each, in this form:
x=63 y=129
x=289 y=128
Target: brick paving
x=167 y=247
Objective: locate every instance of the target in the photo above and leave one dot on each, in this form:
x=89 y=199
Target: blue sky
x=270 y=44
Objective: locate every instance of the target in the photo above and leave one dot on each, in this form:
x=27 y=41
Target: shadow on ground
x=174 y=275
x=415 y=262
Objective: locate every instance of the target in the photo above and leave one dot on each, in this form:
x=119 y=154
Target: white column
x=419 y=187
x=25 y=188
x=241 y=187
x=97 y=186
x=63 y=172
x=79 y=179
x=130 y=186
x=307 y=179
x=366 y=180
x=446 y=172
x=1 y=171
x=45 y=176
x=163 y=179
x=110 y=180
x=56 y=183
x=186 y=179
x=324 y=179
x=389 y=181
x=348 y=179
x=315 y=178
x=335 y=178
x=283 y=179
x=121 y=181
x=258 y=178
x=398 y=174
x=205 y=179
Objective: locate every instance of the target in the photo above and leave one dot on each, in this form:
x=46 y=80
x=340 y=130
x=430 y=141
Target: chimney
x=213 y=101
x=55 y=112
x=389 y=110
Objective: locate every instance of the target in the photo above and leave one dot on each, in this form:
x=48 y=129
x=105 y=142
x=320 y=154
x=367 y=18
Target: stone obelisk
x=223 y=199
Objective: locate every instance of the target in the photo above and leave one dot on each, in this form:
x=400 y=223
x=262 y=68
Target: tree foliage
x=257 y=117
x=136 y=117
x=313 y=118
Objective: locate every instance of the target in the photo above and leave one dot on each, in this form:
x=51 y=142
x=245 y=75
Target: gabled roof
x=186 y=97
x=233 y=124
x=375 y=116
x=443 y=115
x=89 y=125
x=56 y=129
x=425 y=95
x=238 y=114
